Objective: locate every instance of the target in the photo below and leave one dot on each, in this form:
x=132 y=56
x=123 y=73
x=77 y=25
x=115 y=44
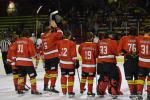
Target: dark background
x=29 y=7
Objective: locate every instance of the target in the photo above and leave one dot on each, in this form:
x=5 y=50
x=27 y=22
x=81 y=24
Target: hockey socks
x=33 y=85
x=64 y=85
x=15 y=80
x=20 y=84
x=53 y=77
x=140 y=85
x=70 y=84
x=90 y=84
x=82 y=84
x=46 y=79
x=132 y=86
x=50 y=75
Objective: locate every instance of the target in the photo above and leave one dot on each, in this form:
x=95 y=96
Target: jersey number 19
x=88 y=55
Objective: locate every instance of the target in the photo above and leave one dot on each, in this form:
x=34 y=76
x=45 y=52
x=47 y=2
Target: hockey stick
x=96 y=76
x=78 y=76
x=36 y=29
x=27 y=86
x=51 y=15
x=38 y=10
x=36 y=26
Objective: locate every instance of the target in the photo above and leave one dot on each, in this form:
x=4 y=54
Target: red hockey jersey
x=144 y=51
x=49 y=43
x=129 y=44
x=88 y=52
x=24 y=51
x=107 y=50
x=67 y=53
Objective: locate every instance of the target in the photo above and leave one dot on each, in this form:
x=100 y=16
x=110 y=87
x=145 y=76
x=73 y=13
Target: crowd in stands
x=101 y=16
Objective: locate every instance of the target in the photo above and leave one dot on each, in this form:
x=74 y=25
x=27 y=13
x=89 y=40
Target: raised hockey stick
x=36 y=26
x=51 y=15
x=39 y=8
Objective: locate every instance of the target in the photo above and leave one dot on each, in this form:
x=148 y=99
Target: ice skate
x=71 y=94
x=91 y=94
x=36 y=93
x=52 y=89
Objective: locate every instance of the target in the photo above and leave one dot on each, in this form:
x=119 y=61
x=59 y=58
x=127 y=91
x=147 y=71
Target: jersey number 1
x=20 y=48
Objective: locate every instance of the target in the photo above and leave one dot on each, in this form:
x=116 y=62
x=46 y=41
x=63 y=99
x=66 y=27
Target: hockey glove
x=124 y=51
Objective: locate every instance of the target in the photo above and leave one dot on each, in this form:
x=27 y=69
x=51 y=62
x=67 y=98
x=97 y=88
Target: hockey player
x=24 y=52
x=128 y=48
x=49 y=41
x=118 y=76
x=144 y=63
x=88 y=52
x=106 y=66
x=67 y=55
x=11 y=60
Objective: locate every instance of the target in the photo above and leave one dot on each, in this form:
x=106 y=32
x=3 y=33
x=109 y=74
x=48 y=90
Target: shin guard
x=102 y=85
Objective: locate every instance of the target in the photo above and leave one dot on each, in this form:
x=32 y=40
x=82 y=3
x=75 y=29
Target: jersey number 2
x=64 y=52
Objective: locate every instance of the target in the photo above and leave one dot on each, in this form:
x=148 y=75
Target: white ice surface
x=7 y=89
